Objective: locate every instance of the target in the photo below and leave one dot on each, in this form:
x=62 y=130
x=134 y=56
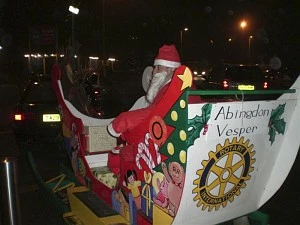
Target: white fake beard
x=157 y=82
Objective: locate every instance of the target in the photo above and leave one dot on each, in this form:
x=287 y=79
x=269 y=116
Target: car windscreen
x=40 y=92
x=243 y=73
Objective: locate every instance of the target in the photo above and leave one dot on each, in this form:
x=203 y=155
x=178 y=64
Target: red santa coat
x=126 y=121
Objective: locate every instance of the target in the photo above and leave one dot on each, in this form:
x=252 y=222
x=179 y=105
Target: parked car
x=96 y=89
x=36 y=114
x=111 y=95
x=236 y=77
x=282 y=78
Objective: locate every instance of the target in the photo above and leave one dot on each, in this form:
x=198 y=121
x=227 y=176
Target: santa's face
x=161 y=75
x=159 y=69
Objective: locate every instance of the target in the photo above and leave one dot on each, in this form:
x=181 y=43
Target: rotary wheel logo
x=224 y=174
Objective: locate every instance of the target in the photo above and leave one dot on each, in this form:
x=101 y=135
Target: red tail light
x=225 y=84
x=97 y=91
x=265 y=85
x=23 y=116
x=19 y=117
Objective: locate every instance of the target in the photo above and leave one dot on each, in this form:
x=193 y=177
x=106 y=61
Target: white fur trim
x=162 y=62
x=111 y=131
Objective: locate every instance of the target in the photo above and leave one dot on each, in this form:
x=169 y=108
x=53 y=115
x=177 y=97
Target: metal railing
x=10 y=207
x=237 y=92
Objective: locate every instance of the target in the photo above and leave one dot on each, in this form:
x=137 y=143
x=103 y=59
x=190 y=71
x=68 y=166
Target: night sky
x=137 y=28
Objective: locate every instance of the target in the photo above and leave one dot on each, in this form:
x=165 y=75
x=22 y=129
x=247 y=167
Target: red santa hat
x=167 y=56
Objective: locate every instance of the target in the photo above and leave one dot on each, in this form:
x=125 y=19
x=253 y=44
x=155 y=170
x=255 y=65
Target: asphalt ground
x=35 y=205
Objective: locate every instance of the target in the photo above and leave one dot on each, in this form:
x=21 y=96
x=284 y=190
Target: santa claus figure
x=165 y=64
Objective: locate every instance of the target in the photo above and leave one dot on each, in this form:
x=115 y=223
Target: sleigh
x=188 y=163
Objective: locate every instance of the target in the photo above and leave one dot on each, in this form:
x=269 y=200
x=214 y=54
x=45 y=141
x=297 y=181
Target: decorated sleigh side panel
x=192 y=163
x=237 y=155
x=206 y=163
x=231 y=162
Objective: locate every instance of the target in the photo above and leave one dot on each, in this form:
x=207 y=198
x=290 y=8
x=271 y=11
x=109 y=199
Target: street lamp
x=228 y=47
x=249 y=48
x=243 y=25
x=181 y=31
x=112 y=60
x=103 y=39
x=74 y=12
x=103 y=29
x=92 y=61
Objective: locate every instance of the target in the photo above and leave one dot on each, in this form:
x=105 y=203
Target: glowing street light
x=243 y=24
x=112 y=59
x=181 y=31
x=73 y=9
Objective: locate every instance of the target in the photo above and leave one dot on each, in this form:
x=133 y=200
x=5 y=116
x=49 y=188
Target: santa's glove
x=112 y=132
x=117 y=149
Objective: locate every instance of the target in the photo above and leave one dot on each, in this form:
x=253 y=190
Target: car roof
x=240 y=65
x=237 y=72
